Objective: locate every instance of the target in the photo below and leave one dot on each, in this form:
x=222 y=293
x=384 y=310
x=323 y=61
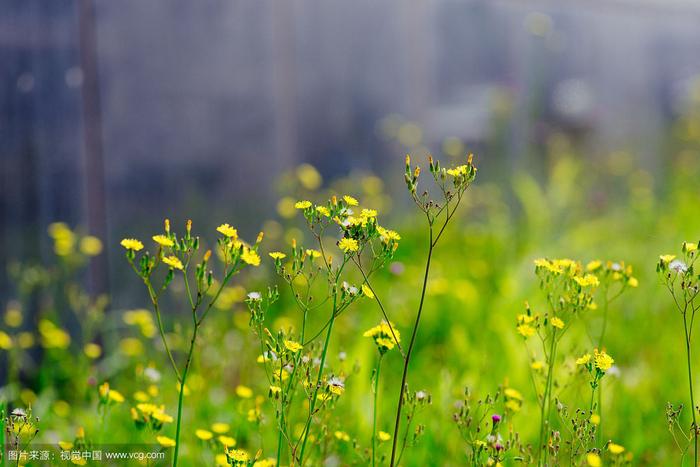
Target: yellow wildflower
x=165 y=441
x=163 y=240
x=633 y=282
x=324 y=211
x=244 y=391
x=367 y=291
x=383 y=436
x=667 y=258
x=92 y=350
x=228 y=231
x=525 y=330
x=342 y=436
x=302 y=204
x=238 y=455
x=227 y=441
x=5 y=341
x=131 y=244
x=250 y=257
x=594 y=265
x=615 y=448
x=204 y=435
x=603 y=361
x=293 y=346
x=511 y=393
x=689 y=247
x=313 y=253
x=589 y=280
x=557 y=323
x=584 y=359
x=593 y=459
x=277 y=255
x=595 y=419
x=90 y=245
x=173 y=261
x=350 y=200
x=348 y=244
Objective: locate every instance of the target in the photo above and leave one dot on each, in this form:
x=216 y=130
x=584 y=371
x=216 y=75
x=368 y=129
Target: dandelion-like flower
x=131 y=244
x=228 y=231
x=250 y=257
x=302 y=204
x=293 y=346
x=383 y=336
x=173 y=261
x=350 y=201
x=348 y=245
x=162 y=240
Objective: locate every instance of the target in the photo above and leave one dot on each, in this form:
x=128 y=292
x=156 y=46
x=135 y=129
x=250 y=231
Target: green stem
x=546 y=400
x=182 y=394
x=690 y=384
x=374 y=421
x=409 y=351
x=312 y=403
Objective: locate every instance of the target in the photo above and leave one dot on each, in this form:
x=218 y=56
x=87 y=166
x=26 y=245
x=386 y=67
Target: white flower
x=255 y=296
x=679 y=266
x=152 y=374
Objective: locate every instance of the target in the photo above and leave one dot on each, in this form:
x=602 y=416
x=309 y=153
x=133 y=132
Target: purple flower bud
x=498 y=447
x=496 y=419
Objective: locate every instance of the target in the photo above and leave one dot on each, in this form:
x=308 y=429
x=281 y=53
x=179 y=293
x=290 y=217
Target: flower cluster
x=385 y=336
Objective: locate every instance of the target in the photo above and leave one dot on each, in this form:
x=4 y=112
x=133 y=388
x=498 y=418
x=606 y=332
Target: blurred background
x=118 y=114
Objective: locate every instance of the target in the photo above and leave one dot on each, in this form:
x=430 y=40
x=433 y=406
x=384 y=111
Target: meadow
x=544 y=322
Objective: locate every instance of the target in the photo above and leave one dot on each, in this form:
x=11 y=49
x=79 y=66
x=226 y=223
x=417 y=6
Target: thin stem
x=546 y=398
x=374 y=422
x=182 y=393
x=407 y=360
x=156 y=308
x=690 y=384
x=312 y=403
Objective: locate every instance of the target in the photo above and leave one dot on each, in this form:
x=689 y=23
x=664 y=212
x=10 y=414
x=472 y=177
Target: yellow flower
x=13 y=317
x=228 y=231
x=593 y=459
x=525 y=330
x=557 y=323
x=342 y=436
x=92 y=350
x=615 y=448
x=689 y=247
x=162 y=240
x=324 y=211
x=165 y=441
x=250 y=257
x=65 y=445
x=603 y=361
x=238 y=455
x=277 y=255
x=367 y=291
x=131 y=244
x=537 y=365
x=5 y=341
x=220 y=427
x=173 y=261
x=227 y=441
x=511 y=393
x=293 y=346
x=383 y=336
x=350 y=200
x=90 y=245
x=274 y=390
x=244 y=391
x=313 y=253
x=633 y=282
x=115 y=396
x=589 y=280
x=161 y=416
x=383 y=436
x=302 y=204
x=595 y=419
x=593 y=265
x=368 y=213
x=667 y=258
x=348 y=244
x=584 y=359
x=204 y=435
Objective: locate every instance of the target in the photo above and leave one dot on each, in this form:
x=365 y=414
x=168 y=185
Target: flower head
x=228 y=231
x=350 y=200
x=162 y=240
x=131 y=244
x=250 y=257
x=302 y=204
x=293 y=346
x=385 y=336
x=602 y=360
x=173 y=261
x=348 y=245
